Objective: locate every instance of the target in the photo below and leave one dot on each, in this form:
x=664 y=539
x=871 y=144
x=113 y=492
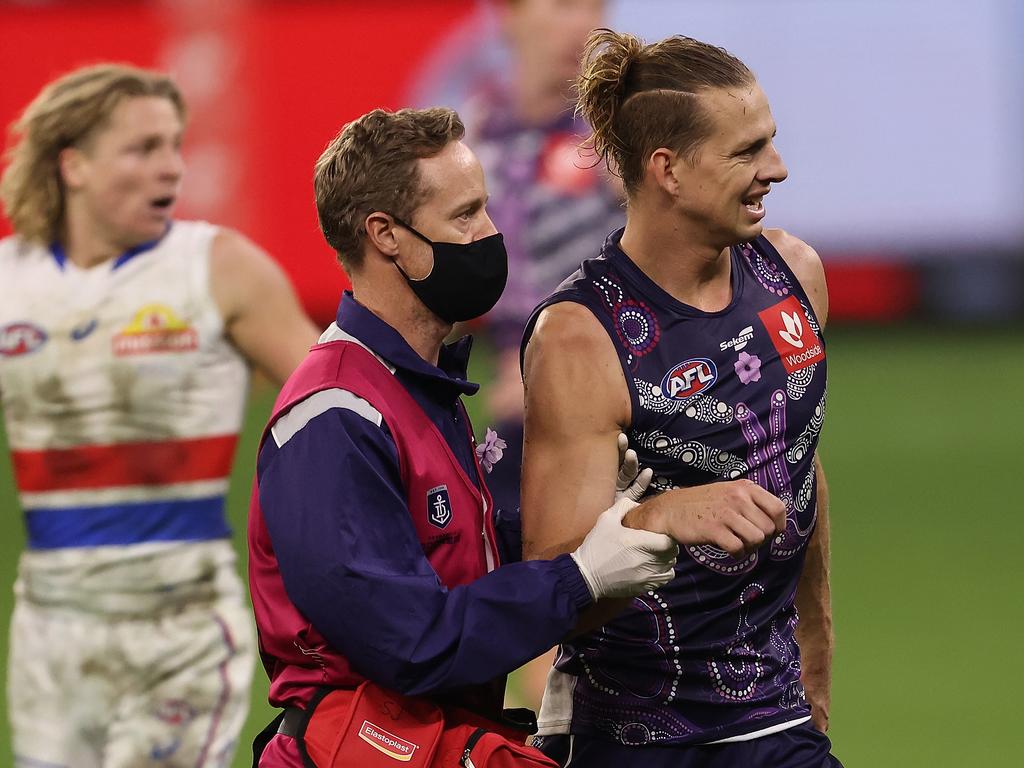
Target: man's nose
x=774 y=170
x=487 y=227
x=172 y=164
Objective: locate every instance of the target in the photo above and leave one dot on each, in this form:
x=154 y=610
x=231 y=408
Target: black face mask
x=466 y=280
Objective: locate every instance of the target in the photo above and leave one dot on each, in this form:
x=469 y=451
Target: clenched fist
x=737 y=516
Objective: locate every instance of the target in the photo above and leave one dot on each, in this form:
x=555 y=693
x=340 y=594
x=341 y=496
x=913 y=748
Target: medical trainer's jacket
x=370 y=537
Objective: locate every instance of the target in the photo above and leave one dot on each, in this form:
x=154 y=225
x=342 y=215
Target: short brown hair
x=64 y=114
x=371 y=166
x=639 y=97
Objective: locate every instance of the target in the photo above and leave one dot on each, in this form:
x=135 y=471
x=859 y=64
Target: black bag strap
x=300 y=737
x=292 y=722
x=263 y=738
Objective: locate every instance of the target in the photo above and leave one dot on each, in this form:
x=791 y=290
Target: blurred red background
x=268 y=85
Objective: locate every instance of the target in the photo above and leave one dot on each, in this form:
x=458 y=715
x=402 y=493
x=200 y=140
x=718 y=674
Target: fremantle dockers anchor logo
x=439 y=506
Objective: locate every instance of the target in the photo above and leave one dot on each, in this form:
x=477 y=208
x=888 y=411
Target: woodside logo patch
x=794 y=339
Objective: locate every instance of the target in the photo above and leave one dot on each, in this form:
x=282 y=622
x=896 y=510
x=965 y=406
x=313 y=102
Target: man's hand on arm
x=737 y=516
x=617 y=561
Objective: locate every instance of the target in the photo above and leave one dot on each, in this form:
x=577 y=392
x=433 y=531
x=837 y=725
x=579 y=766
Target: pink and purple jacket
x=371 y=542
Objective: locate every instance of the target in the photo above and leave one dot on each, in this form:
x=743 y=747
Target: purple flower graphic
x=490 y=450
x=748 y=368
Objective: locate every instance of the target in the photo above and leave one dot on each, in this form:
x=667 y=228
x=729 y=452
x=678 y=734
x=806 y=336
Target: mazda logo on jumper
x=689 y=378
x=439 y=506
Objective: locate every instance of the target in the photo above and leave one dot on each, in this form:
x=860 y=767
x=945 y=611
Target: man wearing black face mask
x=373 y=560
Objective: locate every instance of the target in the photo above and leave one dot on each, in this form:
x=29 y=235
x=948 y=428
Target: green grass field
x=924 y=433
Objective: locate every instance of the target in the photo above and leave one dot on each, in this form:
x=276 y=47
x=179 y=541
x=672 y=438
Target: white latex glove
x=623 y=562
x=631 y=483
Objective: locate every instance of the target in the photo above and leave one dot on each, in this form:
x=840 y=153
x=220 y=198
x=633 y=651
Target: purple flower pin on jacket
x=490 y=450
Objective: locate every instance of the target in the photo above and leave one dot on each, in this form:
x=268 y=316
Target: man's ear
x=71 y=164
x=661 y=166
x=380 y=232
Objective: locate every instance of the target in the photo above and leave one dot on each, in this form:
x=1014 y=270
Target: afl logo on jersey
x=689 y=378
x=21 y=339
x=439 y=506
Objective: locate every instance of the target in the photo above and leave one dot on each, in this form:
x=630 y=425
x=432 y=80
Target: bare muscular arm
x=814 y=603
x=261 y=312
x=576 y=404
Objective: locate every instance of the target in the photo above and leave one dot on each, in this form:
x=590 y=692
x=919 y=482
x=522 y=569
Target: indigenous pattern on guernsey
x=716 y=396
x=122 y=401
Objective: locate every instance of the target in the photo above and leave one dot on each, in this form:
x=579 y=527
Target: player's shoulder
x=568 y=325
x=805 y=263
x=15 y=247
x=798 y=254
x=569 y=341
x=231 y=249
x=21 y=257
x=8 y=247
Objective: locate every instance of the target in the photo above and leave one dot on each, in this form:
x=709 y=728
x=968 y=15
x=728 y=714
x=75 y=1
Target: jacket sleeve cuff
x=571 y=579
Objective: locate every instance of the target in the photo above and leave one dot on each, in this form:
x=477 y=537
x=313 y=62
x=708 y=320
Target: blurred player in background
x=125 y=344
x=548 y=202
x=700 y=336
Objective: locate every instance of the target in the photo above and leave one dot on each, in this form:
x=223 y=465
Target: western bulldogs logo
x=21 y=339
x=689 y=378
x=794 y=339
x=439 y=506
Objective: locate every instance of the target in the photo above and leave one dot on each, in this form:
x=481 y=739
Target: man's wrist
x=572 y=576
x=645 y=517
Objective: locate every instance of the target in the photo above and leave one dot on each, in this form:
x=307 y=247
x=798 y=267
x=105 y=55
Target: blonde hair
x=639 y=97
x=65 y=114
x=371 y=166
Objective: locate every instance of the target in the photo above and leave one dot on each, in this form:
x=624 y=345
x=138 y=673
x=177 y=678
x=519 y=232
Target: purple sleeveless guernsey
x=738 y=393
x=296 y=656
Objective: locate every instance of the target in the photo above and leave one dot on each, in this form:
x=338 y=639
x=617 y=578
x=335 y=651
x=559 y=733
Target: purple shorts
x=801 y=746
